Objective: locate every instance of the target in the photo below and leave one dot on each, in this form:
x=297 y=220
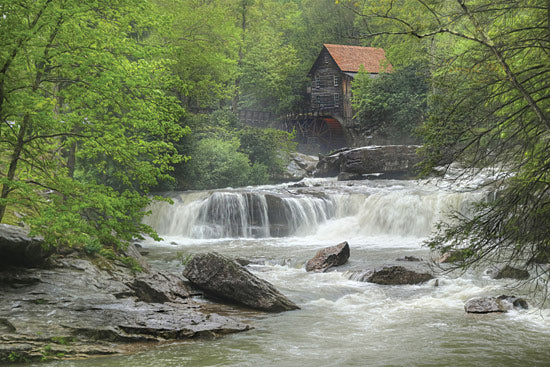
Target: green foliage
x=217 y=163
x=185 y=258
x=269 y=148
x=489 y=107
x=87 y=125
x=15 y=357
x=63 y=340
x=392 y=105
x=225 y=153
x=203 y=40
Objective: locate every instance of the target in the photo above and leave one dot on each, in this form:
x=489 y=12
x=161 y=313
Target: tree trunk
x=235 y=101
x=6 y=187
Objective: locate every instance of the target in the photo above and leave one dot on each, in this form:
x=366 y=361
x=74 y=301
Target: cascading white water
x=404 y=210
x=343 y=321
x=231 y=214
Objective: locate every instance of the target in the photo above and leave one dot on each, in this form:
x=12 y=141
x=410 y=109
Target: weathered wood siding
x=346 y=90
x=327 y=86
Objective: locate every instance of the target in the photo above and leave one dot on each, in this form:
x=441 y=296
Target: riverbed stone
x=391 y=275
x=509 y=272
x=494 y=304
x=329 y=257
x=224 y=278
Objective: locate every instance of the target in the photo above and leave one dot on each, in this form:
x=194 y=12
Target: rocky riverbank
x=72 y=307
x=387 y=161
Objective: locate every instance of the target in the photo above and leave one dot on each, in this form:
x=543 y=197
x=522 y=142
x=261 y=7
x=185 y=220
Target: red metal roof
x=350 y=58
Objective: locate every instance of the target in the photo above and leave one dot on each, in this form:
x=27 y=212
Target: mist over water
x=342 y=322
x=392 y=208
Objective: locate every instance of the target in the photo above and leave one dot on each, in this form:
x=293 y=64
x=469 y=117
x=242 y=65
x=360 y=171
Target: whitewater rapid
x=342 y=322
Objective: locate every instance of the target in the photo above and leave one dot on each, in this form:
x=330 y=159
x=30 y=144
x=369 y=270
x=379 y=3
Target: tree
x=203 y=41
x=393 y=105
x=217 y=163
x=223 y=152
x=489 y=108
x=86 y=126
x=269 y=67
x=269 y=148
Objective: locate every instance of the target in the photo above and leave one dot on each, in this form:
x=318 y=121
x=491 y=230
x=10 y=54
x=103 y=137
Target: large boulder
x=329 y=165
x=300 y=166
x=392 y=161
x=224 y=278
x=391 y=275
x=18 y=249
x=512 y=273
x=328 y=257
x=494 y=304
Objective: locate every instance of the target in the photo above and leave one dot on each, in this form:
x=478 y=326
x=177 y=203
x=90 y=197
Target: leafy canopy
x=86 y=124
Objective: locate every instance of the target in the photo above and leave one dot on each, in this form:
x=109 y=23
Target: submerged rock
x=494 y=304
x=512 y=273
x=328 y=257
x=391 y=275
x=224 y=278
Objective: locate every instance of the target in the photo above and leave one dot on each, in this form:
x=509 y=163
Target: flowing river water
x=342 y=322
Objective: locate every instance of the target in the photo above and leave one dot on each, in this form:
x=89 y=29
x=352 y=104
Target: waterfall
x=231 y=214
x=404 y=210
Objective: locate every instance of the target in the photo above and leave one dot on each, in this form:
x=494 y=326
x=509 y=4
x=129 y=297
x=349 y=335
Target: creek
x=342 y=322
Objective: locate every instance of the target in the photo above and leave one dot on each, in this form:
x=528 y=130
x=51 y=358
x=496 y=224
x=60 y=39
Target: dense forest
x=104 y=103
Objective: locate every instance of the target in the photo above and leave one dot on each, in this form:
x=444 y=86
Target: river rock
x=512 y=273
x=18 y=249
x=397 y=160
x=278 y=214
x=135 y=251
x=300 y=166
x=391 y=275
x=76 y=309
x=328 y=257
x=329 y=165
x=224 y=278
x=409 y=258
x=494 y=304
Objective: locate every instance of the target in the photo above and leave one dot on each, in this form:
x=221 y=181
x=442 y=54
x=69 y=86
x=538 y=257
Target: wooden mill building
x=327 y=123
x=330 y=89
